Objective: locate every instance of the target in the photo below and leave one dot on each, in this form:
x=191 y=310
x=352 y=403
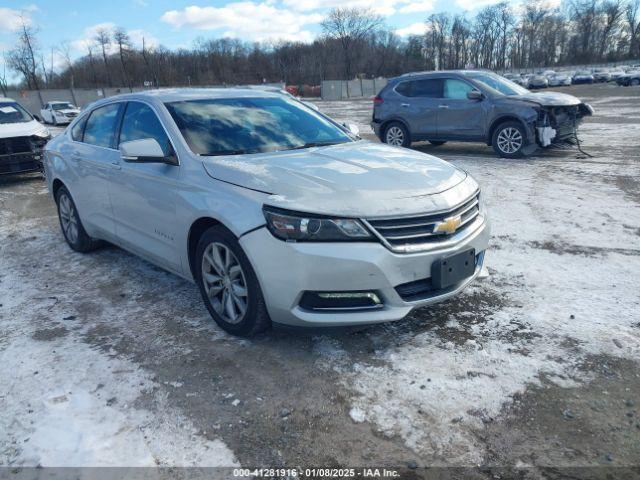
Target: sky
x=175 y=24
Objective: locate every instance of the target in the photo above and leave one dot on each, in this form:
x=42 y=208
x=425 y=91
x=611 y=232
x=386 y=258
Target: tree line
x=353 y=43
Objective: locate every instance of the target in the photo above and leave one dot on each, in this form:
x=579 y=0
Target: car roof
x=180 y=94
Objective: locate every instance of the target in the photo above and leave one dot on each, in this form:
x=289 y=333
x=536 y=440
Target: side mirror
x=352 y=128
x=146 y=150
x=475 y=95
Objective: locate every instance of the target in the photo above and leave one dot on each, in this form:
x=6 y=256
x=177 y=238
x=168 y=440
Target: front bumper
x=20 y=163
x=286 y=270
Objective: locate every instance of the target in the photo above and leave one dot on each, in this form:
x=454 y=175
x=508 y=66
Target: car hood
x=352 y=179
x=549 y=99
x=24 y=129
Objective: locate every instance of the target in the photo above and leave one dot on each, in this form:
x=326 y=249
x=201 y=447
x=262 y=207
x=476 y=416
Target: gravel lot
x=107 y=360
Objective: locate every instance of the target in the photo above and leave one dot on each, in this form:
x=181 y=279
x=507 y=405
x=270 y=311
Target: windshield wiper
x=314 y=144
x=229 y=152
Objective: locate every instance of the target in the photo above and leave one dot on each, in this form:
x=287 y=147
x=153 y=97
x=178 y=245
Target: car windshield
x=498 y=84
x=11 y=112
x=234 y=126
x=61 y=106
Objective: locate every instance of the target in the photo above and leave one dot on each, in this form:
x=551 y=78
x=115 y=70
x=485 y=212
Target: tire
x=397 y=134
x=229 y=285
x=635 y=82
x=509 y=139
x=436 y=143
x=72 y=229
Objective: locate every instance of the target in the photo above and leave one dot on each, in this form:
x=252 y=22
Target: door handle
x=404 y=105
x=444 y=107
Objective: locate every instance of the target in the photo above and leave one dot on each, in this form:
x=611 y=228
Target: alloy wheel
x=224 y=282
x=68 y=218
x=395 y=136
x=509 y=140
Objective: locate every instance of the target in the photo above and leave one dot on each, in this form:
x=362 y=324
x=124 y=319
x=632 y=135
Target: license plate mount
x=453 y=269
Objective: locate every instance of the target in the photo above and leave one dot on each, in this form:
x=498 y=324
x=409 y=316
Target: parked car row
x=550 y=78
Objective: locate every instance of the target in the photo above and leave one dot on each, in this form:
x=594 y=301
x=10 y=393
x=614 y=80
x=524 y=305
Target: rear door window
x=101 y=126
x=426 y=88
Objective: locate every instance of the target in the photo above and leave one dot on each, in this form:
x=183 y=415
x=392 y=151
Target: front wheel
x=396 y=134
x=228 y=284
x=72 y=229
x=635 y=82
x=508 y=140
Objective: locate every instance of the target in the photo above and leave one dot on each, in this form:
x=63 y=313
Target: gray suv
x=475 y=106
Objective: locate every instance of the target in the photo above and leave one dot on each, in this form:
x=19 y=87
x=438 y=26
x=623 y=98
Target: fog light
x=332 y=301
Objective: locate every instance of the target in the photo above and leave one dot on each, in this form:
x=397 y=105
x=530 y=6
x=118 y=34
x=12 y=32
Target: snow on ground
x=565 y=264
x=66 y=403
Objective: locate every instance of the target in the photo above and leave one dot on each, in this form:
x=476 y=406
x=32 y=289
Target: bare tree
x=3 y=75
x=632 y=14
x=103 y=39
x=350 y=26
x=121 y=38
x=23 y=57
x=64 y=50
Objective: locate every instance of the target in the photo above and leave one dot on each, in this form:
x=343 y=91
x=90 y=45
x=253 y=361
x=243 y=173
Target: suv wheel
x=228 y=284
x=72 y=229
x=509 y=140
x=397 y=134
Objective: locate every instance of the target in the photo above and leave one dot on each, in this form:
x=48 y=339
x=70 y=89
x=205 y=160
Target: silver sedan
x=274 y=210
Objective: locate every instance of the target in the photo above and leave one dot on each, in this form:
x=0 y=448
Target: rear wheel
x=635 y=82
x=509 y=140
x=397 y=134
x=228 y=284
x=436 y=143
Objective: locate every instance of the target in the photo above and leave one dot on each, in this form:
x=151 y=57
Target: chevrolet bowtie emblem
x=448 y=225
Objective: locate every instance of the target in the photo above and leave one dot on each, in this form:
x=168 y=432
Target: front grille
x=12 y=145
x=403 y=232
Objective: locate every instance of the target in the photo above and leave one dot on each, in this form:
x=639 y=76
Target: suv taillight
x=377 y=100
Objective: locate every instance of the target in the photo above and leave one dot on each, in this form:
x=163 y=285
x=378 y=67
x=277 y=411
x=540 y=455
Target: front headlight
x=294 y=226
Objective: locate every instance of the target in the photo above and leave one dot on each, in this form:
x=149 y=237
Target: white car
x=58 y=113
x=559 y=79
x=22 y=139
x=275 y=211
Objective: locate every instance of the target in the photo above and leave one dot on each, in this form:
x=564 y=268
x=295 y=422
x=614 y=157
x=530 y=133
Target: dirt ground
x=107 y=360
